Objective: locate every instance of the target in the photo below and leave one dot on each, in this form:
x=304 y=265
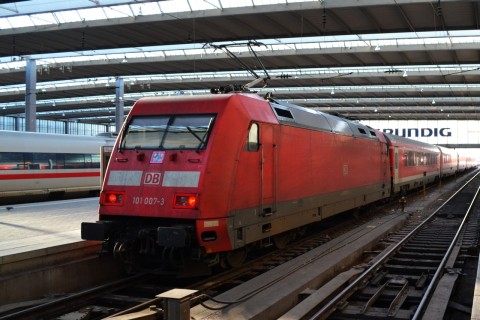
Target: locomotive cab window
x=168 y=132
x=252 y=138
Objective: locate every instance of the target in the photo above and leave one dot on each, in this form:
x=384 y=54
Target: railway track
x=134 y=294
x=415 y=277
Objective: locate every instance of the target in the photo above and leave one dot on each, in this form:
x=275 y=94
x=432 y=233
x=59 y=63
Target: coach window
x=74 y=161
x=11 y=161
x=44 y=160
x=95 y=160
x=252 y=139
x=28 y=161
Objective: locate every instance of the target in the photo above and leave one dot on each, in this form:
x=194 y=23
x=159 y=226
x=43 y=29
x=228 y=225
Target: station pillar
x=31 y=96
x=119 y=103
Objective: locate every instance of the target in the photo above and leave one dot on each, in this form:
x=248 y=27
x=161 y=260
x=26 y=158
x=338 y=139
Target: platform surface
x=28 y=227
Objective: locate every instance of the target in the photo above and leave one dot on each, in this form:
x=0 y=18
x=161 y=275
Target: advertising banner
x=452 y=132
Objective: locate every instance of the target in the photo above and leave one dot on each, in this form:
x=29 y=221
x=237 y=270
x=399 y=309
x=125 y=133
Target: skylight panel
x=136 y=55
x=92 y=14
x=175 y=53
x=116 y=56
x=236 y=3
x=20 y=21
x=174 y=6
x=153 y=54
x=68 y=16
x=205 y=5
x=43 y=19
x=5 y=24
x=140 y=9
x=118 y=12
x=13 y=65
x=264 y=2
x=196 y=51
x=312 y=45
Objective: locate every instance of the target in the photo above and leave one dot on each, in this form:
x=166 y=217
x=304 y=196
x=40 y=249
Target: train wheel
x=236 y=257
x=281 y=240
x=301 y=231
x=121 y=253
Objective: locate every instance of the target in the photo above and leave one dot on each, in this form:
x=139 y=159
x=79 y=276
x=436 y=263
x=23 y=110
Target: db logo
x=152 y=178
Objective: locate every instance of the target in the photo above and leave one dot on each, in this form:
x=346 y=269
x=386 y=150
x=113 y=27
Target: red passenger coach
x=413 y=163
x=207 y=177
x=466 y=162
x=449 y=162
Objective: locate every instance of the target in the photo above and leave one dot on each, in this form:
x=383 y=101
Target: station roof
x=371 y=59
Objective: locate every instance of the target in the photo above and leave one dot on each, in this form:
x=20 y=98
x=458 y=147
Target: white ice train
x=40 y=164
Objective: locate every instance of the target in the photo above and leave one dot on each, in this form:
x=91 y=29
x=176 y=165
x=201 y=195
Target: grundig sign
x=420 y=132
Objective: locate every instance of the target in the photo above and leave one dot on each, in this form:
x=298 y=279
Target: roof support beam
x=119 y=103
x=31 y=96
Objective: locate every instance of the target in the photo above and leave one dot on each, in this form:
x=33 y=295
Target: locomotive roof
x=294 y=115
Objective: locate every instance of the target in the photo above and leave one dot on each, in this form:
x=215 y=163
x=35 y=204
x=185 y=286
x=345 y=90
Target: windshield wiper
x=202 y=140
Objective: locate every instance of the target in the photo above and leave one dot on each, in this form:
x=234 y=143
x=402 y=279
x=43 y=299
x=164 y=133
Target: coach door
x=268 y=168
x=395 y=164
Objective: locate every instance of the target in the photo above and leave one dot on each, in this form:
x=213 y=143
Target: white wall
x=434 y=131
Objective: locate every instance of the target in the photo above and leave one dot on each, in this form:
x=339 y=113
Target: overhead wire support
x=249 y=44
x=256 y=43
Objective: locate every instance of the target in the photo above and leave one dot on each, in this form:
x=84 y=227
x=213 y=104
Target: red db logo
x=152 y=178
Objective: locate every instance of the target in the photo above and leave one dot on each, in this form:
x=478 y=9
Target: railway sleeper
x=404 y=255
x=388 y=293
x=395 y=306
x=440 y=235
x=444 y=237
x=427 y=248
x=433 y=238
x=419 y=281
x=352 y=312
x=409 y=270
x=120 y=300
x=424 y=261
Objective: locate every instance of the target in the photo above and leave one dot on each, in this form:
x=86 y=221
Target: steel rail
x=330 y=307
x=36 y=310
x=440 y=270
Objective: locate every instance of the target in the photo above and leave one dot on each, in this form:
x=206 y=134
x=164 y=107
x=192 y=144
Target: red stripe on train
x=23 y=176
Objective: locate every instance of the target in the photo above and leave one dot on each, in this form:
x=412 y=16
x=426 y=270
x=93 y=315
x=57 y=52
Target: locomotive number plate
x=148 y=201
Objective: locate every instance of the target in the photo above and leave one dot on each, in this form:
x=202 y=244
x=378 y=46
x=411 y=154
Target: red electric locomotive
x=206 y=177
